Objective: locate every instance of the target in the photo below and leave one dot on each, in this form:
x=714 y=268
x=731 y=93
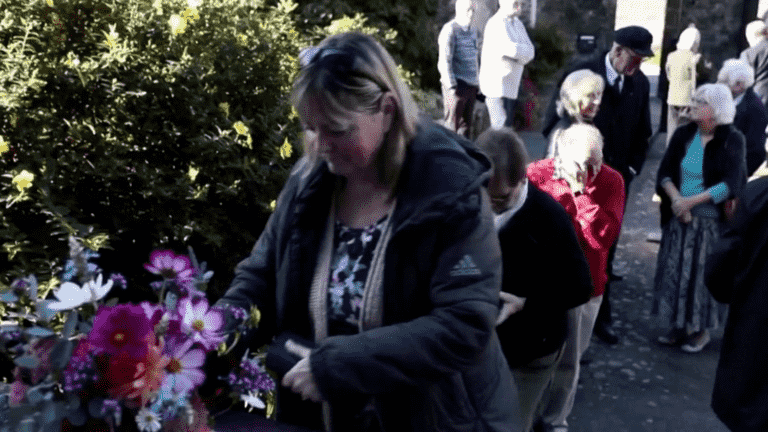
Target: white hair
x=755 y=32
x=736 y=71
x=719 y=97
x=689 y=39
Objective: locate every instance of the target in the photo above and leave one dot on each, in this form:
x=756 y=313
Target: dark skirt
x=681 y=297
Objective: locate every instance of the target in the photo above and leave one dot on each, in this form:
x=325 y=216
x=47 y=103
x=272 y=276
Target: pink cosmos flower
x=153 y=312
x=169 y=265
x=201 y=323
x=121 y=328
x=182 y=371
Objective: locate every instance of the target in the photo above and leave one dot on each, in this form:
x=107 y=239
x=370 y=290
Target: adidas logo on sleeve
x=465 y=267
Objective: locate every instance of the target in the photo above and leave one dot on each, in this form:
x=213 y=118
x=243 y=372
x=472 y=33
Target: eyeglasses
x=340 y=62
x=699 y=101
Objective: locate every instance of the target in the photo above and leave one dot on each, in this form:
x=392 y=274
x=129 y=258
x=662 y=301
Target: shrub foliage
x=141 y=124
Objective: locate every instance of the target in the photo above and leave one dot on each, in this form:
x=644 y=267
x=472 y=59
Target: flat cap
x=635 y=38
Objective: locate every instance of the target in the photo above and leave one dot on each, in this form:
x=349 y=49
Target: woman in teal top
x=702 y=168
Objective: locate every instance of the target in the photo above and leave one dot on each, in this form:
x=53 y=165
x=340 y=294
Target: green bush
x=413 y=21
x=540 y=75
x=141 y=124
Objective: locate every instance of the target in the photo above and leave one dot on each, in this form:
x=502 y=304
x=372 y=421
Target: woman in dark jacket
x=751 y=115
x=382 y=251
x=737 y=273
x=703 y=167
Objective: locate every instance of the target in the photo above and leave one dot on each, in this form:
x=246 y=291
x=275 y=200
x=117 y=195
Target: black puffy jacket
x=436 y=363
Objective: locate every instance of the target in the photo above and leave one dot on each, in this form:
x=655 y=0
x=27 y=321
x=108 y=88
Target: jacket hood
x=442 y=177
x=442 y=171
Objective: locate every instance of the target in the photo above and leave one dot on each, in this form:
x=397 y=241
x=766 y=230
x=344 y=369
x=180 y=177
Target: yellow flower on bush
x=286 y=150
x=23 y=180
x=273 y=205
x=50 y=2
x=224 y=107
x=178 y=24
x=191 y=14
x=3 y=146
x=111 y=41
x=193 y=172
x=240 y=128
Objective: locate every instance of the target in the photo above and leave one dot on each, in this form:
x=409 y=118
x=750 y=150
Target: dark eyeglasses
x=340 y=62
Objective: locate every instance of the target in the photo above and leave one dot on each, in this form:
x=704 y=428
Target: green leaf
x=61 y=353
x=70 y=324
x=44 y=312
x=39 y=332
x=27 y=362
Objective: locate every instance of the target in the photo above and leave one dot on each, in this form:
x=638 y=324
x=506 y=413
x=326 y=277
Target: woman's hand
x=511 y=305
x=686 y=217
x=680 y=206
x=299 y=379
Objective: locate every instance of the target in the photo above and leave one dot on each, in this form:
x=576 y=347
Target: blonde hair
x=574 y=88
x=352 y=72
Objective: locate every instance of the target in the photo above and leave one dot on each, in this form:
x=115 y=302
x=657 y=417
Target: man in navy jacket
x=544 y=270
x=624 y=120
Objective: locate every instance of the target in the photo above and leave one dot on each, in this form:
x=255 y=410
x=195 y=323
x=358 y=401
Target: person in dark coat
x=701 y=171
x=545 y=272
x=751 y=115
x=757 y=57
x=737 y=273
x=383 y=253
x=624 y=120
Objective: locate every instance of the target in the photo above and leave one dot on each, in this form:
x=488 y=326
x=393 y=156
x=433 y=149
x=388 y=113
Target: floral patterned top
x=352 y=255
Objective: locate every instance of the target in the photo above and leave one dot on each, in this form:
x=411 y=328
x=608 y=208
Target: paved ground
x=639 y=385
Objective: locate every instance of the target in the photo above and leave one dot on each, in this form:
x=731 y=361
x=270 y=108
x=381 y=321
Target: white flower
x=193 y=4
x=252 y=399
x=70 y=295
x=148 y=421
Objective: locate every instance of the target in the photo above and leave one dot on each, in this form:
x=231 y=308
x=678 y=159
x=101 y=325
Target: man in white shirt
x=507 y=51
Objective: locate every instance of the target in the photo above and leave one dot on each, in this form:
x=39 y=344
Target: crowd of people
x=437 y=283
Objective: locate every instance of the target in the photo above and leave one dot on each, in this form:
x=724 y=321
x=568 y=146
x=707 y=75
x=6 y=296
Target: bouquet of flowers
x=83 y=362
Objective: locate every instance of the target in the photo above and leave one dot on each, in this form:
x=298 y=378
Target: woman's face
x=581 y=163
x=512 y=8
x=348 y=144
x=701 y=111
x=589 y=104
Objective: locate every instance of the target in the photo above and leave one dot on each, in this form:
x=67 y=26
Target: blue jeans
x=501 y=110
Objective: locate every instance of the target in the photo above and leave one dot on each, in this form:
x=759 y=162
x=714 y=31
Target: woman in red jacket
x=593 y=195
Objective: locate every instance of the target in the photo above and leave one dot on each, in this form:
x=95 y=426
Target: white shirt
x=610 y=73
x=506 y=49
x=501 y=219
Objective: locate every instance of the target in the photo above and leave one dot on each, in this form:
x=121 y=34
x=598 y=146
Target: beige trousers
x=558 y=402
x=532 y=381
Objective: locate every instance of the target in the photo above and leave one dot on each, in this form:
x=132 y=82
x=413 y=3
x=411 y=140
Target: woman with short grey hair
x=580 y=96
x=751 y=115
x=702 y=170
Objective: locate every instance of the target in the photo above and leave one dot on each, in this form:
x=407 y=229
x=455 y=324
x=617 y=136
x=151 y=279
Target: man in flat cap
x=624 y=119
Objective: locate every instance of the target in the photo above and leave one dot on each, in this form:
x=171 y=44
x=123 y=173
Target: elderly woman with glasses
x=704 y=166
x=579 y=102
x=382 y=253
